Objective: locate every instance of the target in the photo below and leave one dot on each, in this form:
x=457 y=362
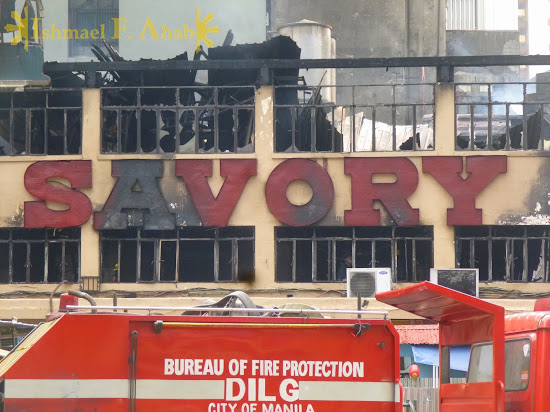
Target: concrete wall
x=497 y=202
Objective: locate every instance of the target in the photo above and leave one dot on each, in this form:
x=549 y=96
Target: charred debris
x=177 y=111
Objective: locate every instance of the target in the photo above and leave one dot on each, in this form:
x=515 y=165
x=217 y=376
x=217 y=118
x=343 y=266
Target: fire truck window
x=481 y=363
x=517 y=364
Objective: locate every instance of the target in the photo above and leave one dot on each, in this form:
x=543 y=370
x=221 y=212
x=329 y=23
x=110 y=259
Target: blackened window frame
x=235 y=235
x=516 y=242
x=101 y=12
x=41 y=122
x=45 y=240
x=391 y=236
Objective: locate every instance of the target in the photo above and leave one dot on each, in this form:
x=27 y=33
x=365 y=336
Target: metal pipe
x=82 y=295
x=237 y=310
x=53 y=292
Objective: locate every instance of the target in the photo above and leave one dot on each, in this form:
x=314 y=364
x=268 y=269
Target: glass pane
x=499 y=260
x=168 y=261
x=304 y=270
x=363 y=254
x=535 y=256
x=72 y=262
x=344 y=259
x=383 y=254
x=37 y=132
x=404 y=261
x=109 y=131
x=74 y=131
x=463 y=253
x=324 y=260
x=196 y=261
x=56 y=132
x=55 y=262
x=148 y=131
x=128 y=261
x=481 y=258
x=424 y=260
x=19 y=262
x=147 y=263
x=481 y=363
x=225 y=261
x=37 y=262
x=518 y=364
x=19 y=131
x=109 y=261
x=284 y=262
x=517 y=260
x=4 y=262
x=246 y=261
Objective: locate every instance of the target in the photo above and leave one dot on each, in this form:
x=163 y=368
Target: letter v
x=215 y=211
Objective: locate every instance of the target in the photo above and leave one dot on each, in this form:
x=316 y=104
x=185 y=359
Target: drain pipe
x=83 y=295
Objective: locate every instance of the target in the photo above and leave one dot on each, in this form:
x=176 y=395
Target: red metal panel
x=84 y=363
x=482 y=171
x=463 y=319
x=79 y=174
x=215 y=211
x=392 y=195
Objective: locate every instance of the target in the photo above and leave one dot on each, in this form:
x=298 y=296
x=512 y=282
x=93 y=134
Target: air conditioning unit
x=462 y=280
x=368 y=281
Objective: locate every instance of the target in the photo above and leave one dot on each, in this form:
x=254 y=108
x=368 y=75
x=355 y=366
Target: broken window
x=363 y=119
x=178 y=120
x=322 y=254
x=86 y=16
x=190 y=254
x=39 y=256
x=505 y=253
x=41 y=122
x=502 y=116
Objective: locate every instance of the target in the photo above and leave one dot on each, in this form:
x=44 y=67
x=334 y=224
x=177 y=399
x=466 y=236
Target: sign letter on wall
x=215 y=211
x=136 y=199
x=482 y=169
x=392 y=195
x=78 y=173
x=299 y=169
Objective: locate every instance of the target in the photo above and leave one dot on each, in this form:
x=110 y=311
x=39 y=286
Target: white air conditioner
x=368 y=281
x=462 y=280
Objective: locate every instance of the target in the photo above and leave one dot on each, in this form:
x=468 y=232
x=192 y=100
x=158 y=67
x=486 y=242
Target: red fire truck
x=114 y=361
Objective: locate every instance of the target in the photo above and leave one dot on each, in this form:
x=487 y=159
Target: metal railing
x=41 y=122
x=502 y=116
x=363 y=118
x=203 y=119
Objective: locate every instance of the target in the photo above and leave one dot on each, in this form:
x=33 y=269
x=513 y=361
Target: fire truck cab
x=509 y=357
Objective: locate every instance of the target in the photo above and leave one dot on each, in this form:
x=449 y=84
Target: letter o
x=288 y=172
